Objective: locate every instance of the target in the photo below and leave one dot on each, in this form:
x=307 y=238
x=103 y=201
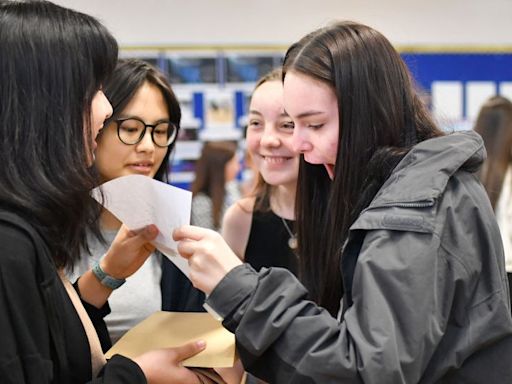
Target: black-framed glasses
x=132 y=130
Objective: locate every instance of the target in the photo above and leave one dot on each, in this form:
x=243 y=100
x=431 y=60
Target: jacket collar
x=420 y=178
x=423 y=173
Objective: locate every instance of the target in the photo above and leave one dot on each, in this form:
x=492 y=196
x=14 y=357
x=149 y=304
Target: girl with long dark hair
x=53 y=63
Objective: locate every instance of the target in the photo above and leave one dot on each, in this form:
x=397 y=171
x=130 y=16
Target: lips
x=143 y=167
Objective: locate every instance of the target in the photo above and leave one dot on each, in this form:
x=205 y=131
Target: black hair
x=53 y=60
x=127 y=78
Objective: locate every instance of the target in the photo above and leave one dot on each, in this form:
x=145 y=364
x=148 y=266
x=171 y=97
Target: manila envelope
x=172 y=329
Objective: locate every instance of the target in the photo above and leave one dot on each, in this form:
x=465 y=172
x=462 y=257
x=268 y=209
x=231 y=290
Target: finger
x=188 y=350
x=189 y=232
x=143 y=236
x=149 y=232
x=186 y=248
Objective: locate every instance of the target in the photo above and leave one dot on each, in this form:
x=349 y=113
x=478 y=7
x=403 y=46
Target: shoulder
x=18 y=255
x=240 y=213
x=14 y=238
x=236 y=225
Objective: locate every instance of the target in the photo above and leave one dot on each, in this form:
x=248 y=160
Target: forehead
x=147 y=100
x=303 y=92
x=267 y=94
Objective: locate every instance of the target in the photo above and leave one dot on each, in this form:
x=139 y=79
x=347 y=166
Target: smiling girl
x=261 y=228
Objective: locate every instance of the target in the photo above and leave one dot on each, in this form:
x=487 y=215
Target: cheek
x=287 y=141
x=159 y=157
x=253 y=142
x=333 y=149
x=110 y=151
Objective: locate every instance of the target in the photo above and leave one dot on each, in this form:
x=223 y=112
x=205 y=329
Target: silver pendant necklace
x=292 y=241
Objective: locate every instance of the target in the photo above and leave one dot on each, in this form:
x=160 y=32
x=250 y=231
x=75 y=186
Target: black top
x=267 y=245
x=178 y=293
x=43 y=340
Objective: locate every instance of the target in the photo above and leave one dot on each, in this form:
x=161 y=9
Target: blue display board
x=430 y=67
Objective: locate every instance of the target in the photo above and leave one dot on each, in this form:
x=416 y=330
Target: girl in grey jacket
x=392 y=221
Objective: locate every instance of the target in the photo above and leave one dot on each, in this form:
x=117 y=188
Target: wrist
x=105 y=278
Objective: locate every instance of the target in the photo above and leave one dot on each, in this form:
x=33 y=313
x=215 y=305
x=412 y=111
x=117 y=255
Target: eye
x=162 y=129
x=131 y=126
x=129 y=129
x=315 y=126
x=289 y=125
x=161 y=132
x=255 y=124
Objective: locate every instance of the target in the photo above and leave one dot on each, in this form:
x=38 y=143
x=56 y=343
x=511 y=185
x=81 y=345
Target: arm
x=236 y=225
x=128 y=252
x=388 y=335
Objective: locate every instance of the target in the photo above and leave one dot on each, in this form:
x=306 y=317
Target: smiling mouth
x=275 y=159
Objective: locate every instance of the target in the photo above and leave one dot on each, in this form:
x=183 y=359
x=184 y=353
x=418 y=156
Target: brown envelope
x=172 y=329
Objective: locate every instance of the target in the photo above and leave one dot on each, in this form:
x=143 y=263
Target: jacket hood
x=423 y=173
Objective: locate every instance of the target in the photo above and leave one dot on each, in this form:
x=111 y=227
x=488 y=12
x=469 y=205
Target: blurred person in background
x=494 y=124
x=215 y=188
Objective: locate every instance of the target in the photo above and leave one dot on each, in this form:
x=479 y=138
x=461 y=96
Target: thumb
x=185 y=351
x=144 y=235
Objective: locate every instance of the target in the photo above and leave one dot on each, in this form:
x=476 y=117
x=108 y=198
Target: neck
x=282 y=200
x=109 y=221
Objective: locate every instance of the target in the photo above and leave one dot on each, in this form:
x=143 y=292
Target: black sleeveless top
x=267 y=245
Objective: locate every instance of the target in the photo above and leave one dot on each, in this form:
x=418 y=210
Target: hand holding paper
x=138 y=201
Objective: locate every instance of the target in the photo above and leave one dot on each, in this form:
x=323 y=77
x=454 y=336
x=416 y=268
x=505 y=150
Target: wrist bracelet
x=105 y=279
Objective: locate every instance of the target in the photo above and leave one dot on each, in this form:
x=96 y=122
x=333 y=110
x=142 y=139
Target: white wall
x=275 y=22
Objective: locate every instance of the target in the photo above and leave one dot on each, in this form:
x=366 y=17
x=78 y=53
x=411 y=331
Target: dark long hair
x=52 y=62
x=494 y=124
x=210 y=174
x=128 y=77
x=381 y=117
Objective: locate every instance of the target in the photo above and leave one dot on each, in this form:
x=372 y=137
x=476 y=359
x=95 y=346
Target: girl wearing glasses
x=138 y=139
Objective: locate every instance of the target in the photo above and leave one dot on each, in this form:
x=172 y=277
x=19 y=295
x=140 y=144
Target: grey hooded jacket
x=426 y=295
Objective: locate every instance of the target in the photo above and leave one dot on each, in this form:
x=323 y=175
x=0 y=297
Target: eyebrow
x=309 y=113
x=282 y=114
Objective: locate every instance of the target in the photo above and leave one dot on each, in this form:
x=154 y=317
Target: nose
x=146 y=144
x=299 y=142
x=269 y=138
x=107 y=107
